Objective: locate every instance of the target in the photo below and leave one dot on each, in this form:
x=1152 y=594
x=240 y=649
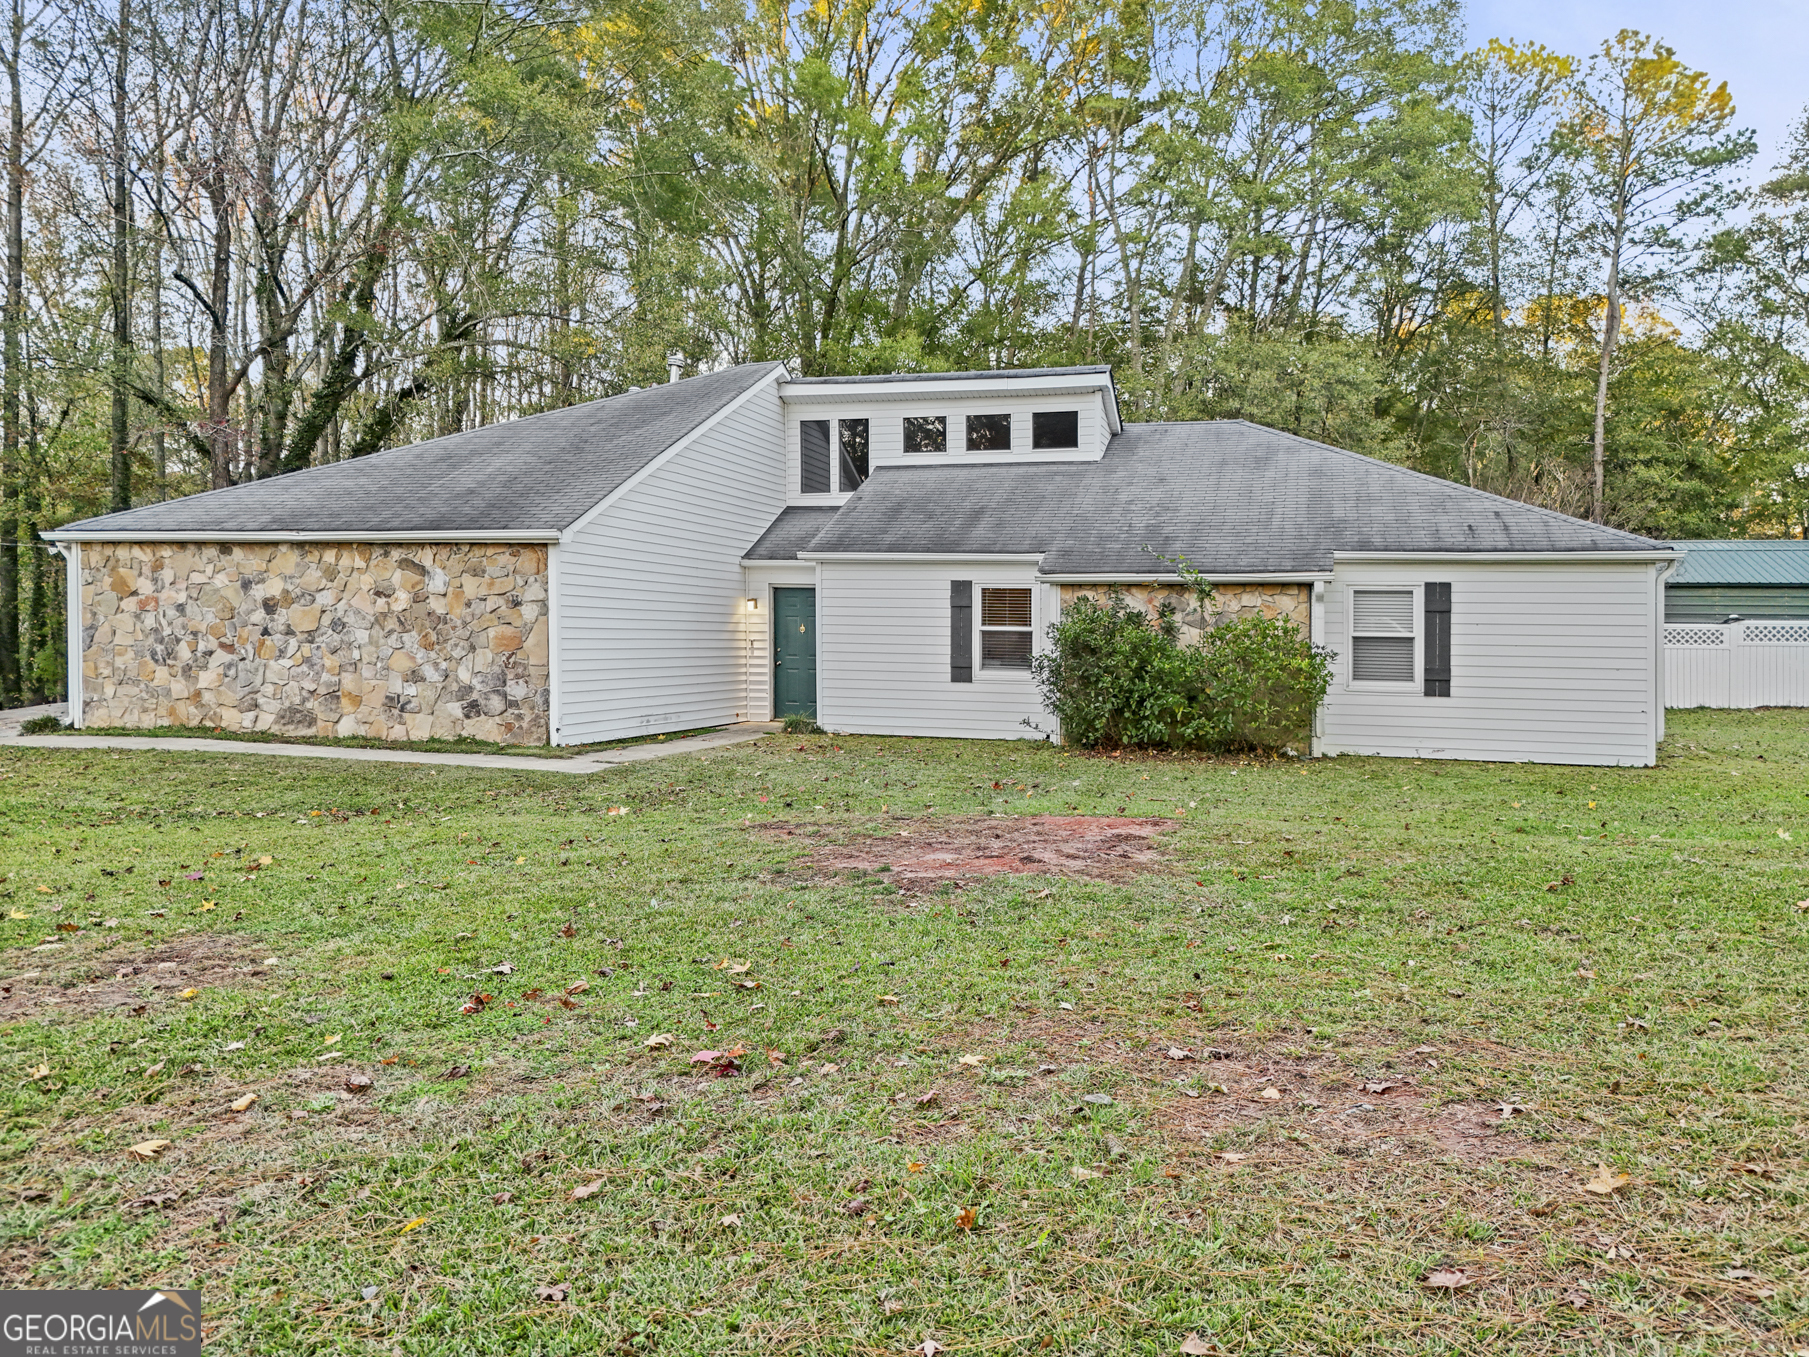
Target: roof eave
x=542 y=535
x=1616 y=556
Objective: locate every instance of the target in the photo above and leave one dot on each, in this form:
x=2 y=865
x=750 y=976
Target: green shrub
x=800 y=724
x=1116 y=677
x=40 y=725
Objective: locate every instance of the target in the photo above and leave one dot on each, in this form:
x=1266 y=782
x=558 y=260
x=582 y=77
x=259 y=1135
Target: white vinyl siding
x=883 y=654
x=1549 y=663
x=653 y=622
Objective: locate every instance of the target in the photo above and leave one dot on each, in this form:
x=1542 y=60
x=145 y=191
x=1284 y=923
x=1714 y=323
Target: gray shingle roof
x=1782 y=563
x=1232 y=497
x=527 y=476
x=792 y=531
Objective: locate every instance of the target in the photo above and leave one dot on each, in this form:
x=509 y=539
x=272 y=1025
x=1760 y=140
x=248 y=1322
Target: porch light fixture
x=753 y=605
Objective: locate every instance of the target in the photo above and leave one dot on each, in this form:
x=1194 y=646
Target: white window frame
x=1414 y=682
x=981 y=672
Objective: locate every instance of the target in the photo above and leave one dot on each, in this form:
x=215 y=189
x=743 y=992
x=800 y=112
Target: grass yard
x=1340 y=1029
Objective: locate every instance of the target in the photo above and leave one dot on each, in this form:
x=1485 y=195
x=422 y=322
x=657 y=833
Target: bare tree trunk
x=219 y=390
x=1611 y=333
x=120 y=440
x=12 y=323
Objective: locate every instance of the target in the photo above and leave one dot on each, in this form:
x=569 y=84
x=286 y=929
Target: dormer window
x=1055 y=429
x=854 y=454
x=989 y=433
x=926 y=433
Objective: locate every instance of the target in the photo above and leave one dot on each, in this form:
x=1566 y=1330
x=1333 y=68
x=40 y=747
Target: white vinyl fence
x=1737 y=664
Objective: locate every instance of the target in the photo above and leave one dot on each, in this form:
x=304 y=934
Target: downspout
x=1658 y=636
x=72 y=627
x=1316 y=631
x=554 y=651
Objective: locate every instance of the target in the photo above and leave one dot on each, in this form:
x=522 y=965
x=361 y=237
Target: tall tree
x=1652 y=137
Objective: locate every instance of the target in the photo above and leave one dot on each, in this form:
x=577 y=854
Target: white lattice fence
x=1741 y=664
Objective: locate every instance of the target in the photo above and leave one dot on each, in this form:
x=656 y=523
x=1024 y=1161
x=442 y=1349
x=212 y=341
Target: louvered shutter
x=961 y=631
x=1438 y=640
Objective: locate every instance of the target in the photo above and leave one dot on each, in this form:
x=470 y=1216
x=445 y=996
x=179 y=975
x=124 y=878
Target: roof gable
x=525 y=478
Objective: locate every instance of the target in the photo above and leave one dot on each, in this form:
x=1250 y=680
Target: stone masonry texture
x=392 y=642
x=1229 y=601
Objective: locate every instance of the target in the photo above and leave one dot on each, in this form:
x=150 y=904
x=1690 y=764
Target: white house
x=883 y=552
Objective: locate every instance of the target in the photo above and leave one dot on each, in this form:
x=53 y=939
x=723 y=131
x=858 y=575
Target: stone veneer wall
x=1232 y=600
x=396 y=642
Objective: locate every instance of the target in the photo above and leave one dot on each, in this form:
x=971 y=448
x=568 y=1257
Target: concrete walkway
x=584 y=763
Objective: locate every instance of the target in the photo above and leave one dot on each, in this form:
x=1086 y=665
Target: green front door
x=794 y=652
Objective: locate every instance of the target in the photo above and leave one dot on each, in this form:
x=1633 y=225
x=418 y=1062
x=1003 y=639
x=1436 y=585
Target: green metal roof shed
x=1751 y=579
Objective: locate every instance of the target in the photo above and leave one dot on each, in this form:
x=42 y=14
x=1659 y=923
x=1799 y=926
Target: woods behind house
x=246 y=238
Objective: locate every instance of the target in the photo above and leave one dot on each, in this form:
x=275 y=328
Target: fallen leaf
x=148 y=1149
x=1446 y=1279
x=502 y=1198
x=915 y=1166
x=730 y=1222
x=1231 y=1156
x=972 y=1059
x=1606 y=1182
x=1576 y=1300
x=235 y=1045
x=577 y=987
x=1378 y=1087
x=244 y=1104
x=1270 y=1095
x=1585 y=973
x=501 y=968
x=369 y=1292
x=1098 y=1099
x=1741 y=1274
x=929 y=1347
x=926 y=1099
x=190 y=993
x=658 y=1039
x=588 y=1190
x=40 y=1071
x=356 y=1082
x=414 y=1224
x=456 y=1072
x=965 y=1218
x=1195 y=1346
x=152 y=1071
x=552 y=1293
x=887 y=999
x=1179 y=1053
x=1081 y=1174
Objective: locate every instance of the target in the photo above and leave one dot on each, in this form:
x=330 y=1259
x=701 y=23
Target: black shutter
x=813 y=457
x=960 y=631
x=1438 y=640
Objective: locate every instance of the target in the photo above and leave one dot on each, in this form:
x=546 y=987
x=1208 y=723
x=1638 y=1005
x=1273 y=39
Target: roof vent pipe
x=675 y=364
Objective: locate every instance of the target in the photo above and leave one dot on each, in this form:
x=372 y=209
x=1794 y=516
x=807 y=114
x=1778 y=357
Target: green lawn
x=1464 y=986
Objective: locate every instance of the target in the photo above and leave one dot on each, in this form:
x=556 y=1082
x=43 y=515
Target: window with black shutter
x=1438 y=640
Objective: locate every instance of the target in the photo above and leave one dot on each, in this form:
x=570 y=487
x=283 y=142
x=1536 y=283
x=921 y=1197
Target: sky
x=1757 y=46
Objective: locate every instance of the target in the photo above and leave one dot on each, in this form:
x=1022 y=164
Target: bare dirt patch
x=1265 y=1097
x=122 y=980
x=923 y=854
x=1292 y=1109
